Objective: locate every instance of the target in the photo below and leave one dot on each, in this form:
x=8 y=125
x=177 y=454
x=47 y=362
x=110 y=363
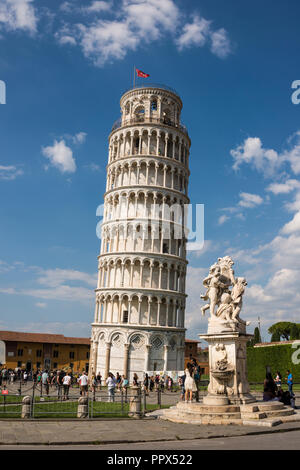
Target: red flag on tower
x=142 y=74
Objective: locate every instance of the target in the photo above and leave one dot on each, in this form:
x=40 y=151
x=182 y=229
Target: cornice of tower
x=161 y=257
x=153 y=292
x=139 y=159
x=149 y=189
x=151 y=90
x=149 y=123
x=136 y=327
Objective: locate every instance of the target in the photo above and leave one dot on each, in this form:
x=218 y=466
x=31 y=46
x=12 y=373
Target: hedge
x=279 y=358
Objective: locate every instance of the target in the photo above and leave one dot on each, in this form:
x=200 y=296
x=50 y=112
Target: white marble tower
x=140 y=296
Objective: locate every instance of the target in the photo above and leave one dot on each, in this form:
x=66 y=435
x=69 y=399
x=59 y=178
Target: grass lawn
x=68 y=409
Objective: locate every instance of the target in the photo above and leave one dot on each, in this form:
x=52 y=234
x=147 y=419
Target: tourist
x=169 y=384
x=125 y=385
x=111 y=385
x=151 y=384
x=135 y=382
x=181 y=382
x=278 y=380
x=270 y=388
x=189 y=384
x=289 y=381
x=25 y=377
x=118 y=381
x=94 y=384
x=162 y=383
x=156 y=380
x=66 y=385
x=45 y=381
x=4 y=376
x=83 y=383
x=146 y=383
x=197 y=378
x=99 y=380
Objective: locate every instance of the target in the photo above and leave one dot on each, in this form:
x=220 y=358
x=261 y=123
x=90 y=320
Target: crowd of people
x=189 y=383
x=273 y=388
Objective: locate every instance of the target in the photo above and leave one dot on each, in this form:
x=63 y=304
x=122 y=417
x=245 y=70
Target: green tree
x=294 y=334
x=257 y=337
x=275 y=337
x=283 y=328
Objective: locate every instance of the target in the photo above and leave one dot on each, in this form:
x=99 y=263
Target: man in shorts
x=45 y=381
x=83 y=383
x=66 y=385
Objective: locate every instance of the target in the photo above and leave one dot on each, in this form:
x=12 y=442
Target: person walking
x=45 y=381
x=66 y=385
x=289 y=381
x=111 y=385
x=83 y=383
x=189 y=384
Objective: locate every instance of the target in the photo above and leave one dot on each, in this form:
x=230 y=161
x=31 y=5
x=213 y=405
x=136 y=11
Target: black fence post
x=159 y=396
x=144 y=403
x=122 y=402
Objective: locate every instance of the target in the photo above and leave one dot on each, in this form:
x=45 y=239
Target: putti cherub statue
x=224 y=304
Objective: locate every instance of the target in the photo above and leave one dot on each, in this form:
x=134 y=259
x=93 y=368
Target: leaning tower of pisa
x=140 y=296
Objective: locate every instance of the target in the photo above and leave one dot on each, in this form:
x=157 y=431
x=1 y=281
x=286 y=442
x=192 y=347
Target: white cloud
x=292 y=226
x=40 y=304
x=250 y=200
x=199 y=32
x=57 y=284
x=194 y=34
x=221 y=45
x=222 y=219
x=98 y=6
x=60 y=156
x=267 y=161
x=105 y=39
x=9 y=172
x=57 y=277
x=284 y=188
x=79 y=138
x=18 y=14
x=253 y=153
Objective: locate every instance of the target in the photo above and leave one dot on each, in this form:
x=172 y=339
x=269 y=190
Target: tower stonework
x=140 y=296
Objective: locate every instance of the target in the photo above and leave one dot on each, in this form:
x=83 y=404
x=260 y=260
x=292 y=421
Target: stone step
x=253 y=415
x=196 y=414
x=284 y=412
x=275 y=405
x=200 y=408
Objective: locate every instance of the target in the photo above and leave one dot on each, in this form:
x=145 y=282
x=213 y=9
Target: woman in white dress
x=189 y=384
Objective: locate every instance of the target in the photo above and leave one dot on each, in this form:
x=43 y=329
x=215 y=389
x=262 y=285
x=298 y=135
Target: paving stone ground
x=18 y=432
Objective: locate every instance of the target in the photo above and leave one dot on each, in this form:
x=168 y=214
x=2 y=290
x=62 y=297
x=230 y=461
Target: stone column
x=166 y=354
x=95 y=353
x=126 y=354
x=107 y=360
x=147 y=357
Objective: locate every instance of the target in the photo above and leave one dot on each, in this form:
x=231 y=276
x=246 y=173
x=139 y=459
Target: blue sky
x=65 y=65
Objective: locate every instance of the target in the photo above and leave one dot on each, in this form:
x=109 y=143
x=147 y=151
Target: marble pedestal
x=228 y=382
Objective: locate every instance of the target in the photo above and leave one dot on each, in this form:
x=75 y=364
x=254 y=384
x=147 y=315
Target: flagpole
x=134 y=76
